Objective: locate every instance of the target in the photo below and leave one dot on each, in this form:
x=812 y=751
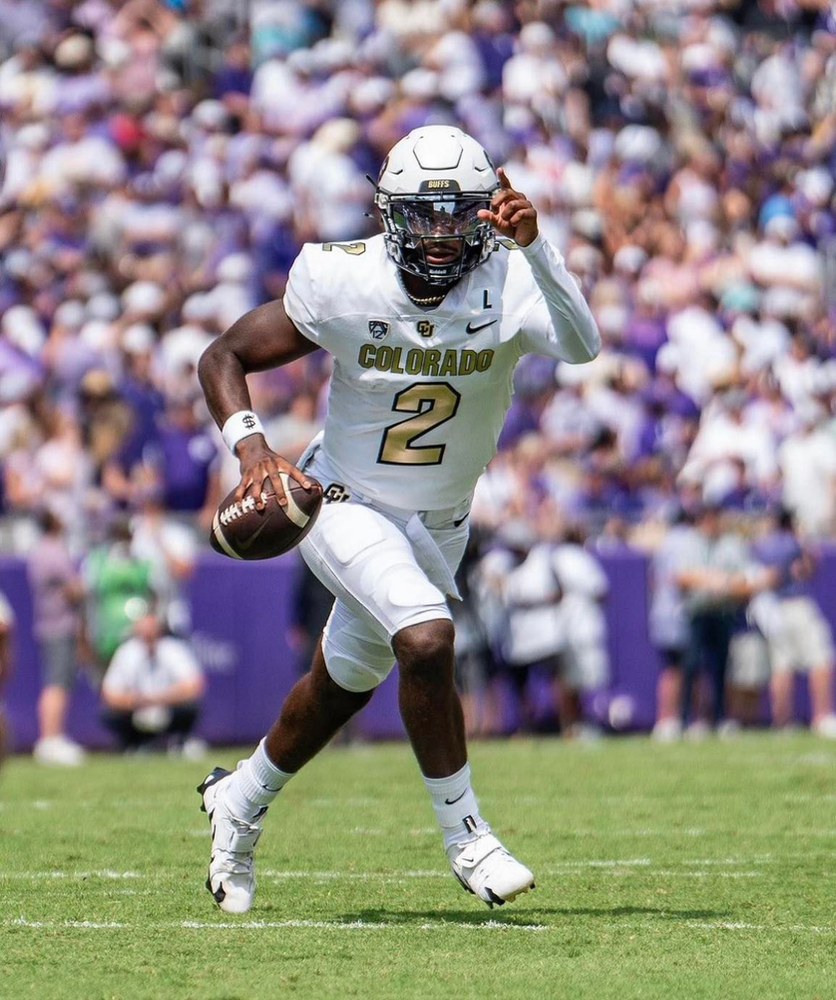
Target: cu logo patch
x=335 y=493
x=425 y=328
x=378 y=329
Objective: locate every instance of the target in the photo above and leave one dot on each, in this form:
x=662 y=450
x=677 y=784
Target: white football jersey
x=418 y=396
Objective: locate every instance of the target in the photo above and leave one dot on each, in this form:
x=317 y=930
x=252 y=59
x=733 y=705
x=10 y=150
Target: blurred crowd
x=732 y=618
x=164 y=162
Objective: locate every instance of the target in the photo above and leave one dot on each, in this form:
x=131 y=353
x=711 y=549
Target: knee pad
x=355 y=657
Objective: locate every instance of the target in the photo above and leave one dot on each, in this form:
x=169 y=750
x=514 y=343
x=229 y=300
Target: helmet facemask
x=436 y=235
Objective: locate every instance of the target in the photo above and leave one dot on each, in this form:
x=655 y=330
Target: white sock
x=254 y=785
x=455 y=806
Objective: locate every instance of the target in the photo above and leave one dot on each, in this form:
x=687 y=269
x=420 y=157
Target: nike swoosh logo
x=454 y=801
x=482 y=326
x=461 y=520
x=244 y=545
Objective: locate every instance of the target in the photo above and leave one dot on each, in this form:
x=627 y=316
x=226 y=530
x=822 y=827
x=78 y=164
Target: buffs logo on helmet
x=431 y=188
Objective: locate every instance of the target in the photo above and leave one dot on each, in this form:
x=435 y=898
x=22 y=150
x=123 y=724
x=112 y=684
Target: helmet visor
x=448 y=217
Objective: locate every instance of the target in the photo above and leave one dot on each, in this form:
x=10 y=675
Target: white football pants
x=387 y=568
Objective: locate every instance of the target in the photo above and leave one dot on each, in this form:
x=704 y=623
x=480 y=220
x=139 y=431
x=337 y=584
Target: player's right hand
x=260 y=462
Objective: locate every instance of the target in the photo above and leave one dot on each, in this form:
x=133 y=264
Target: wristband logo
x=249 y=421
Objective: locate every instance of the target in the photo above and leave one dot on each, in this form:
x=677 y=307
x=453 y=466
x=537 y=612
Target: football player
x=425 y=323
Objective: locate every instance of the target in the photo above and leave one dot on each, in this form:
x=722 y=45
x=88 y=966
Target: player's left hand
x=511 y=213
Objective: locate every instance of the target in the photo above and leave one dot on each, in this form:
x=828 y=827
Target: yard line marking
x=629 y=862
x=731 y=925
x=258 y=925
x=329 y=803
x=272 y=873
x=612 y=867
x=85 y=924
x=637 y=832
x=677 y=874
x=432 y=925
x=102 y=873
x=757 y=859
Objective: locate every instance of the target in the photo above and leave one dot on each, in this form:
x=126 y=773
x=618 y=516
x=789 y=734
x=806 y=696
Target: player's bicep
x=537 y=335
x=561 y=326
x=265 y=338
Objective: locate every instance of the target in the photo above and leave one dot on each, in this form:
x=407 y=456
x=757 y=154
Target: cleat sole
x=520 y=892
x=494 y=899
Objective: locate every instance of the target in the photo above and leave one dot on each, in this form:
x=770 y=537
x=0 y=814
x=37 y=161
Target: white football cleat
x=486 y=869
x=826 y=727
x=231 y=879
x=59 y=751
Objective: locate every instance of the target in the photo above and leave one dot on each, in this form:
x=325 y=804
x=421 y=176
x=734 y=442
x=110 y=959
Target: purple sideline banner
x=240 y=616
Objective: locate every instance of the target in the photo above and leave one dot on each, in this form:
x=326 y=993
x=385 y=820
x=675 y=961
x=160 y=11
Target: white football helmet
x=431 y=187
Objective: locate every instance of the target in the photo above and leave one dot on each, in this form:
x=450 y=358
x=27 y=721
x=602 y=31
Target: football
x=241 y=531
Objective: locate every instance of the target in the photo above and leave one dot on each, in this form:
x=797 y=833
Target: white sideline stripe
x=86 y=924
x=271 y=873
x=433 y=925
x=361 y=925
x=260 y=925
x=570 y=868
x=629 y=862
x=733 y=925
x=434 y=873
x=673 y=874
x=328 y=803
x=105 y=873
x=638 y=832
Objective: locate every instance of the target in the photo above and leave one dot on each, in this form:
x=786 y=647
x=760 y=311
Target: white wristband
x=240 y=425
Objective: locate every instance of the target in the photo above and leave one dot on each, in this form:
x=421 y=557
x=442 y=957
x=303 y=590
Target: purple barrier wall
x=240 y=616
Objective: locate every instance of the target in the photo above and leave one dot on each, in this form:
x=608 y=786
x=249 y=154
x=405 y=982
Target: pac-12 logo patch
x=378 y=329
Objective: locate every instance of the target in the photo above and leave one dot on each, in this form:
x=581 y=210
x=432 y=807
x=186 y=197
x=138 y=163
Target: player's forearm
x=223 y=379
x=574 y=326
x=263 y=338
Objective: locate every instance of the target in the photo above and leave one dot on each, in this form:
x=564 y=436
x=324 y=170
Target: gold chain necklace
x=430 y=300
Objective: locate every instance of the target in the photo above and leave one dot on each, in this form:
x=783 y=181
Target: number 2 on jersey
x=434 y=403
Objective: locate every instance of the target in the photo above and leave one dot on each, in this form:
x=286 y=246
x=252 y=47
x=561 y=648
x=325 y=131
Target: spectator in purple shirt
x=234 y=78
x=147 y=404
x=185 y=461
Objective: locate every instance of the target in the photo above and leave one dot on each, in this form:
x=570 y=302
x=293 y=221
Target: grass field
x=691 y=871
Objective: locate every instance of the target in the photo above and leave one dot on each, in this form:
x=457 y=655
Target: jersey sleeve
x=303 y=294
x=559 y=322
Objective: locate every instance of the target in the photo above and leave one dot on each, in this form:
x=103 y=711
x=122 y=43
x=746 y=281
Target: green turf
x=692 y=871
